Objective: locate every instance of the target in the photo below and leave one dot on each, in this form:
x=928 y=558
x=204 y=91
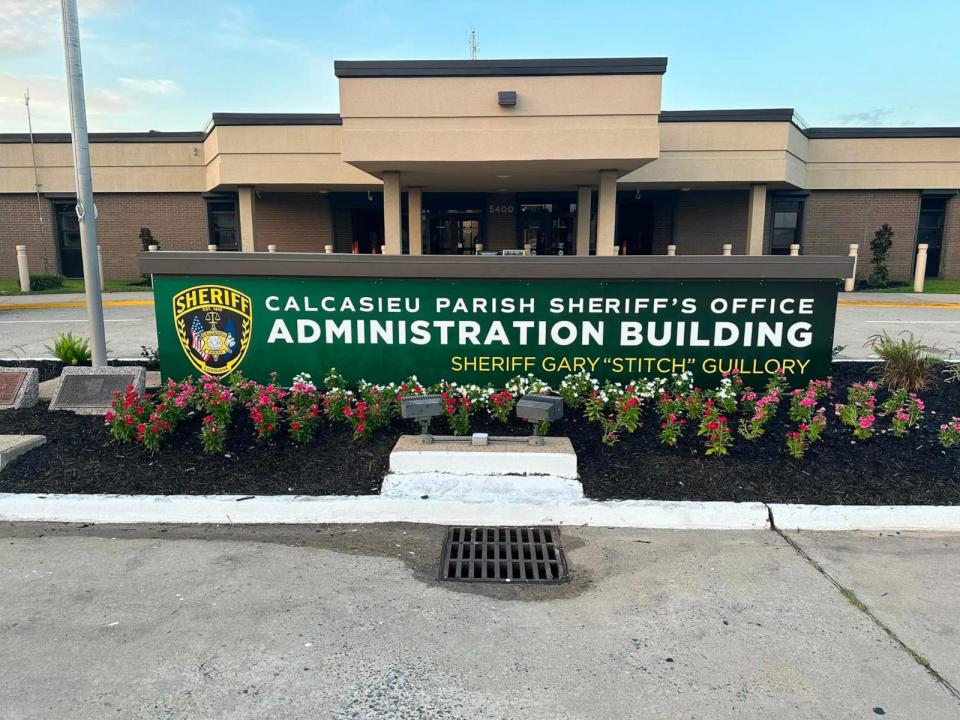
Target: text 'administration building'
x=443 y=157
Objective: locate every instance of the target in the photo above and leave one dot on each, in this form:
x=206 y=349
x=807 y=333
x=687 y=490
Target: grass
x=12 y=287
x=930 y=286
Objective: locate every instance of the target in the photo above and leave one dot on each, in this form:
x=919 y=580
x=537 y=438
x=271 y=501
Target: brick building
x=437 y=157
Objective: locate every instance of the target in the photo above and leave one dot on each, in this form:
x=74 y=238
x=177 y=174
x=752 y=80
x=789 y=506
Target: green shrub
x=45 y=282
x=907 y=363
x=880 y=247
x=147 y=239
x=71 y=349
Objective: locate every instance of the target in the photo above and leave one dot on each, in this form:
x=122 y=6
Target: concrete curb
x=22 y=507
x=287 y=509
x=932 y=518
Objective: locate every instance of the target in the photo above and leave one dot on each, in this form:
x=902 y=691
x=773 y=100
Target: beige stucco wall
x=883 y=163
x=540 y=151
x=279 y=155
x=117 y=167
x=719 y=152
x=605 y=121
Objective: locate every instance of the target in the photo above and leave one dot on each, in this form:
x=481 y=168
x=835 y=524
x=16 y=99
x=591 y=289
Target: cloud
x=48 y=102
x=34 y=24
x=877 y=116
x=150 y=86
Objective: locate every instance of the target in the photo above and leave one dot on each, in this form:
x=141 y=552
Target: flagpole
x=86 y=210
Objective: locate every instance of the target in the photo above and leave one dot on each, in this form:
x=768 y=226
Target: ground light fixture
x=536 y=409
x=422 y=408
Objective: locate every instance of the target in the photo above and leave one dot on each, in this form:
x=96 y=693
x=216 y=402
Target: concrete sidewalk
x=859 y=298
x=350 y=622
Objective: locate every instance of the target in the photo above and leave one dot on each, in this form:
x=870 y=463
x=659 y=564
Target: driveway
x=351 y=622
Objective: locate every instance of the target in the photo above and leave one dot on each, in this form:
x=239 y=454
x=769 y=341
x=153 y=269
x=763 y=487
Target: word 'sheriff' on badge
x=214 y=324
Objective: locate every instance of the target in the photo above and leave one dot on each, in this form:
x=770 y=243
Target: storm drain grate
x=503 y=554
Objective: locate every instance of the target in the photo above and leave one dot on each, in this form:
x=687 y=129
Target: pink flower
x=866 y=422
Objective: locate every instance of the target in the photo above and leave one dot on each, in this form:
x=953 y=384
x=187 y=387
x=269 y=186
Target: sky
x=169 y=64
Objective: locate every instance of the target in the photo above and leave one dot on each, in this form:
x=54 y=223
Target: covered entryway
x=635 y=225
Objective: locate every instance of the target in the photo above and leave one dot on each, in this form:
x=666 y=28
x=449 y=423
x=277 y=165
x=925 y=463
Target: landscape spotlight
x=536 y=409
x=421 y=408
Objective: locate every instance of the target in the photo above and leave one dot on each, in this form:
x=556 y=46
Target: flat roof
x=275 y=119
x=497 y=68
x=119 y=137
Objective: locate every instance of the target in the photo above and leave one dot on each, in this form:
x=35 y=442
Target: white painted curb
x=374 y=508
x=481 y=488
x=933 y=518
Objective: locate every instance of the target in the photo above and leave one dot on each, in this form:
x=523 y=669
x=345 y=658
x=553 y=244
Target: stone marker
x=19 y=387
x=89 y=391
x=13 y=446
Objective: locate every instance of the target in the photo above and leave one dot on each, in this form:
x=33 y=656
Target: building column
x=584 y=208
x=414 y=220
x=392 y=243
x=246 y=210
x=756 y=213
x=607 y=212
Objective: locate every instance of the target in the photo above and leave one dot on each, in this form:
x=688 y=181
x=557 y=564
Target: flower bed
x=848 y=442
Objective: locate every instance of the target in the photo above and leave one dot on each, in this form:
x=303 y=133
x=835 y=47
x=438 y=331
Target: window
x=930 y=231
x=222 y=221
x=787 y=224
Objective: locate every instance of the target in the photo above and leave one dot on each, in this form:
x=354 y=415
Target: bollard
x=328 y=249
x=527 y=249
x=212 y=248
x=920 y=269
x=152 y=248
x=851 y=282
x=794 y=250
x=478 y=248
x=271 y=248
x=23 y=265
x=728 y=250
x=671 y=250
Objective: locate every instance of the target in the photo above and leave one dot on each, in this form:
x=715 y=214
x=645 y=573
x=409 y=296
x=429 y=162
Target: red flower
x=712 y=425
x=294 y=425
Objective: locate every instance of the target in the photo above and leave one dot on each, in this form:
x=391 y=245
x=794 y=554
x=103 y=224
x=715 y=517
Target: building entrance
x=68 y=240
x=367 y=226
x=635 y=228
x=549 y=228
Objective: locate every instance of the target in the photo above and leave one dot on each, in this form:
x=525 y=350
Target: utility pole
x=86 y=210
x=36 y=184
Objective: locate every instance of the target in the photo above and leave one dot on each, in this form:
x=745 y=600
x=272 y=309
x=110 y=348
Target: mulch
x=81 y=457
x=50 y=369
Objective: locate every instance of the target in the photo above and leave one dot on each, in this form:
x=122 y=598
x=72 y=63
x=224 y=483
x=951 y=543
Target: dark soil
x=80 y=456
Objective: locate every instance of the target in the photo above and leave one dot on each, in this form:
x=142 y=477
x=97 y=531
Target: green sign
x=487 y=331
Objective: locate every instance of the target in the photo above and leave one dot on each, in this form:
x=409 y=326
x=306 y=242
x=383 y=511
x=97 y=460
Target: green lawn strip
x=930 y=286
x=12 y=287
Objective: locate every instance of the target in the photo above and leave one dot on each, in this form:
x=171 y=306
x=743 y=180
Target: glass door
x=454 y=234
x=68 y=240
x=930 y=231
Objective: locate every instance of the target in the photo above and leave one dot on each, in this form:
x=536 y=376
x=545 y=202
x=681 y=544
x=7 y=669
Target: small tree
x=146 y=238
x=880 y=247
